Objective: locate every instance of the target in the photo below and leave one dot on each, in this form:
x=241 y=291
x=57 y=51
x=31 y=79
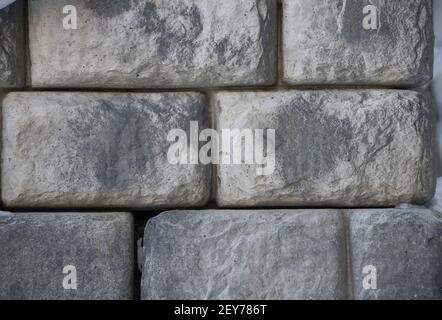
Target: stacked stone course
x=91 y=90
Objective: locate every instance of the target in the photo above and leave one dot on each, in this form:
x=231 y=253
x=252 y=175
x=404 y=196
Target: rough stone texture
x=154 y=43
x=99 y=150
x=293 y=254
x=333 y=148
x=36 y=247
x=405 y=246
x=12 y=58
x=214 y=254
x=324 y=42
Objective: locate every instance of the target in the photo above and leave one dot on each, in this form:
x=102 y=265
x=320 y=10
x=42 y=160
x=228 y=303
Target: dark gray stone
x=338 y=148
x=154 y=43
x=12 y=55
x=405 y=247
x=436 y=202
x=324 y=42
x=71 y=150
x=213 y=254
x=36 y=247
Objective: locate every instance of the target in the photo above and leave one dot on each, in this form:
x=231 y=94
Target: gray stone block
x=154 y=43
x=340 y=42
x=99 y=150
x=283 y=254
x=405 y=247
x=38 y=252
x=338 y=148
x=12 y=56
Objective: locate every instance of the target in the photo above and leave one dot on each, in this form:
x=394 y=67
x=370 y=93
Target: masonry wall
x=117 y=181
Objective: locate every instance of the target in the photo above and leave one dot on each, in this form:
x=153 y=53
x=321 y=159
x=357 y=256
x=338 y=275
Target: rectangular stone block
x=368 y=42
x=153 y=43
x=12 y=56
x=244 y=255
x=336 y=148
x=396 y=254
x=63 y=150
x=66 y=256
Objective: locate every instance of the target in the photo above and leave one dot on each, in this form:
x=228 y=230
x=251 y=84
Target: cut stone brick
x=338 y=148
x=214 y=254
x=43 y=256
x=99 y=150
x=327 y=42
x=405 y=248
x=12 y=57
x=154 y=43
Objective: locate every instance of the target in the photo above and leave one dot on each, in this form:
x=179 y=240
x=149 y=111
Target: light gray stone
x=436 y=202
x=36 y=247
x=324 y=42
x=338 y=148
x=283 y=254
x=154 y=43
x=405 y=247
x=99 y=150
x=12 y=57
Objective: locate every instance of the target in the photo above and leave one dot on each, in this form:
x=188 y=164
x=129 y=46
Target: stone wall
x=206 y=149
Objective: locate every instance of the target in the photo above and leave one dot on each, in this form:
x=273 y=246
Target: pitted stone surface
x=214 y=254
x=36 y=247
x=339 y=148
x=12 y=57
x=405 y=247
x=99 y=150
x=324 y=42
x=154 y=43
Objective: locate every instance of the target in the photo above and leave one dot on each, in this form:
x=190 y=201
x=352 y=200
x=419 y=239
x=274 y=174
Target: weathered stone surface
x=36 y=247
x=324 y=42
x=99 y=150
x=154 y=43
x=214 y=254
x=333 y=148
x=12 y=58
x=436 y=85
x=405 y=247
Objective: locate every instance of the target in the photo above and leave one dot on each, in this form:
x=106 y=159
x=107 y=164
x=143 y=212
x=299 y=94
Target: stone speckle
x=268 y=255
x=35 y=248
x=340 y=148
x=154 y=43
x=99 y=150
x=324 y=42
